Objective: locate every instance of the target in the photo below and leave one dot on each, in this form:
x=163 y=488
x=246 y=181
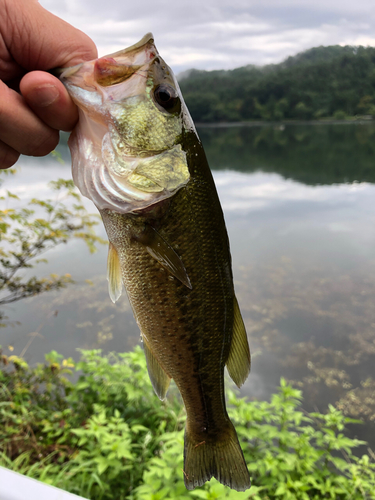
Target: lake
x=299 y=206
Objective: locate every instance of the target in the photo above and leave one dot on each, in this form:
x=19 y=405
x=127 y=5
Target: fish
x=137 y=155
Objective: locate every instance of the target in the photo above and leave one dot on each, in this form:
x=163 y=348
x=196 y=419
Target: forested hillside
x=319 y=83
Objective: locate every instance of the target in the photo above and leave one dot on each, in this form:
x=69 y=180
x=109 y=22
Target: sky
x=221 y=34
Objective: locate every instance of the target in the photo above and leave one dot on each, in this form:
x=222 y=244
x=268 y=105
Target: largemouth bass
x=137 y=156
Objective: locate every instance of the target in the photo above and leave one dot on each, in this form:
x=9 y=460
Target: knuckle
x=44 y=145
x=4 y=99
x=8 y=157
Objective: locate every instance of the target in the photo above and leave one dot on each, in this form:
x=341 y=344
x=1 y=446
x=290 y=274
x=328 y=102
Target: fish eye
x=166 y=96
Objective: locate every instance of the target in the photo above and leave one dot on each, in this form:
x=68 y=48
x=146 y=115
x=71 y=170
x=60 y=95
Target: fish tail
x=221 y=458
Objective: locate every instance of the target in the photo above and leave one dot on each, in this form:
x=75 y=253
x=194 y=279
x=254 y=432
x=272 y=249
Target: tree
x=313 y=84
x=302 y=112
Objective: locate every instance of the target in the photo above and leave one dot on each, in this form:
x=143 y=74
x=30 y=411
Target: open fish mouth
x=111 y=69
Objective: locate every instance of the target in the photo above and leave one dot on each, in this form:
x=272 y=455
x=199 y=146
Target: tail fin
x=222 y=459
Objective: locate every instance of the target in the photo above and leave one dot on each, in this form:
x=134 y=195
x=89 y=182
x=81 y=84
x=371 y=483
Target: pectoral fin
x=162 y=251
x=159 y=379
x=238 y=362
x=114 y=274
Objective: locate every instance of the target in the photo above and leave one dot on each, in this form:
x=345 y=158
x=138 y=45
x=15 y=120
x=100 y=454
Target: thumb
x=40 y=40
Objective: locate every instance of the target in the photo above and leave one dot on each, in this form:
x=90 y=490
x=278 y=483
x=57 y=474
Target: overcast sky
x=221 y=34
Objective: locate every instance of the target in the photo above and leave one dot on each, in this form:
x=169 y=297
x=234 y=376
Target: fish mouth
x=111 y=69
x=117 y=67
x=148 y=39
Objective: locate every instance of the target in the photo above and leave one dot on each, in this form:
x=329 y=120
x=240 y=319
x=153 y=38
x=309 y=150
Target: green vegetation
x=27 y=233
x=95 y=428
x=324 y=154
x=107 y=436
x=334 y=82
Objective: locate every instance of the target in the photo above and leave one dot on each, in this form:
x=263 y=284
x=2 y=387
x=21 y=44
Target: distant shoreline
x=281 y=124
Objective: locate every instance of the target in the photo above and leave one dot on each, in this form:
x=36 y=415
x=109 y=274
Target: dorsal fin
x=159 y=379
x=114 y=273
x=238 y=362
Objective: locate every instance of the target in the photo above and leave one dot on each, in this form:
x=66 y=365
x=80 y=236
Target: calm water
x=299 y=207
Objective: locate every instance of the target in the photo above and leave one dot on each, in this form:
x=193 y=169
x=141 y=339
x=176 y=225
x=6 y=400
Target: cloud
x=221 y=34
x=247 y=193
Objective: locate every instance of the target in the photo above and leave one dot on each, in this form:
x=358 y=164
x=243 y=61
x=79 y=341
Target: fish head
x=127 y=149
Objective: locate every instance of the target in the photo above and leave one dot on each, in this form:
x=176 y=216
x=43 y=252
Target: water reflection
x=299 y=208
x=320 y=154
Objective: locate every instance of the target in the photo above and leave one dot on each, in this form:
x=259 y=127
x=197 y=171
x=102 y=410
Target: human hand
x=35 y=105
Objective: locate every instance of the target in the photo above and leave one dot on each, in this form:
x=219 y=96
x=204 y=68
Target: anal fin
x=159 y=379
x=238 y=362
x=114 y=273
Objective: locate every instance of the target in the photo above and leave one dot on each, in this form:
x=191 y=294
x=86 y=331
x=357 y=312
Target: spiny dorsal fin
x=159 y=379
x=114 y=273
x=162 y=251
x=238 y=362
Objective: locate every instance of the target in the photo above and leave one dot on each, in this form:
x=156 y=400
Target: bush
x=302 y=111
x=107 y=436
x=28 y=232
x=94 y=436
x=339 y=115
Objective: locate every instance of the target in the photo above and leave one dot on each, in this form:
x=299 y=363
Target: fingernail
x=44 y=95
